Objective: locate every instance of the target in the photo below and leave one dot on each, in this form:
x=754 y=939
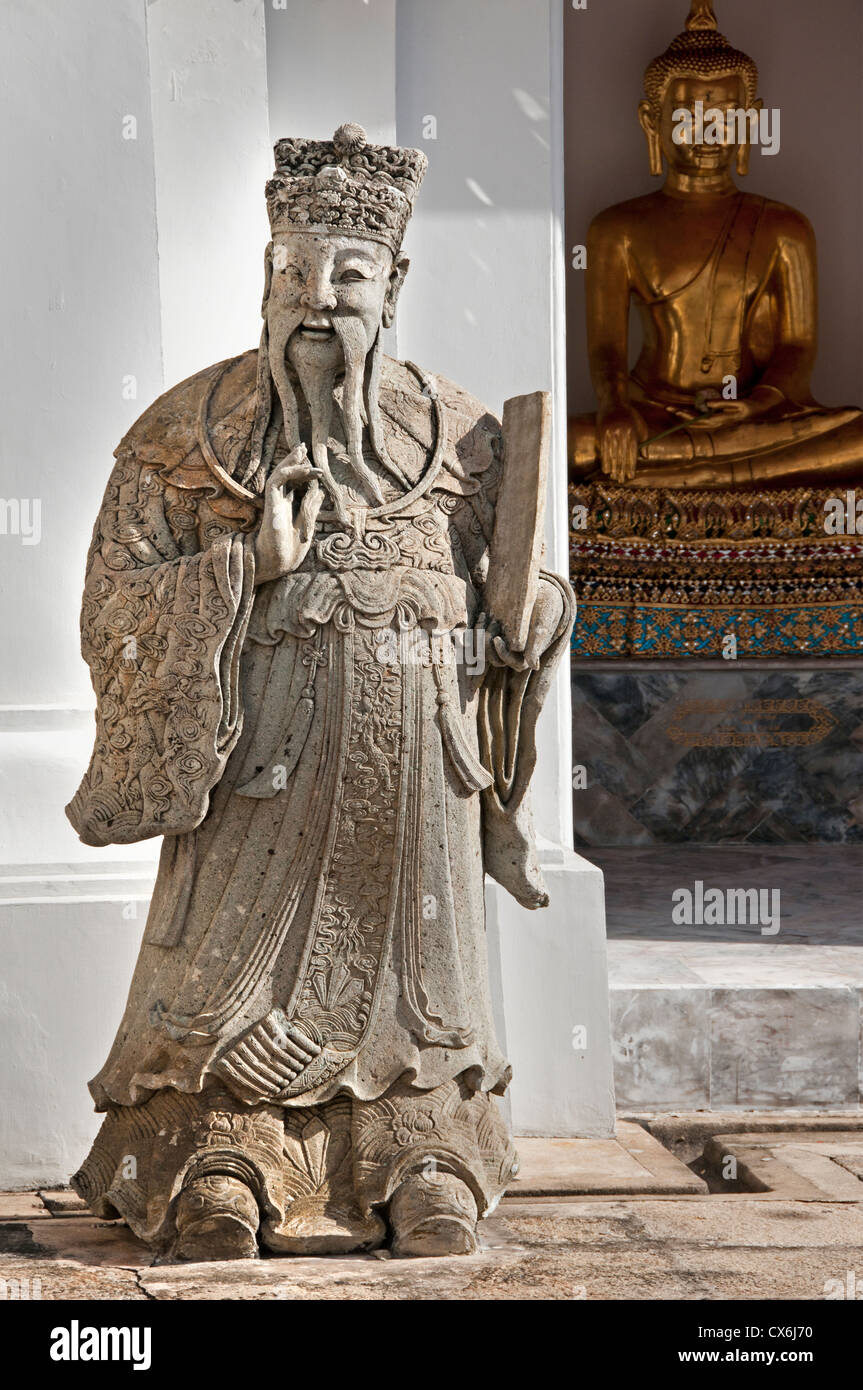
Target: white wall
x=478 y=304
x=329 y=62
x=81 y=314
x=80 y=357
x=65 y=968
x=80 y=307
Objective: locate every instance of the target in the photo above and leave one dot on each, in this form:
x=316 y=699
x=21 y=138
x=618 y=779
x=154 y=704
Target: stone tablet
x=516 y=548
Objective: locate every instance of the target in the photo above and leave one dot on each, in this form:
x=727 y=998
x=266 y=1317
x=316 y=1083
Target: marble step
x=701 y=1025
x=813 y=1166
x=633 y=1163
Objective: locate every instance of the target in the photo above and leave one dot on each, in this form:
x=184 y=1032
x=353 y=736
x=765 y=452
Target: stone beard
x=307 y=1058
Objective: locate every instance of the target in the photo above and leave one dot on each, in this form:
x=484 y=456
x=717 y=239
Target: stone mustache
x=307 y=1060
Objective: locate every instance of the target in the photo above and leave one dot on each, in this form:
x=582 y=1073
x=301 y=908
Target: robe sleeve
x=510 y=701
x=509 y=707
x=162 y=629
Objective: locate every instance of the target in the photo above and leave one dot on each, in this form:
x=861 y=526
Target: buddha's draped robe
x=726 y=323
x=331 y=784
x=722 y=322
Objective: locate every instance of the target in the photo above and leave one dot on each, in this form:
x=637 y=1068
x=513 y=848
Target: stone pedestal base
x=550 y=985
x=716 y=1026
x=670 y=573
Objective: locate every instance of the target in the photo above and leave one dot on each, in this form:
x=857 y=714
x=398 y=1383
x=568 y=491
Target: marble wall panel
x=661 y=1048
x=794 y=1047
x=713 y=756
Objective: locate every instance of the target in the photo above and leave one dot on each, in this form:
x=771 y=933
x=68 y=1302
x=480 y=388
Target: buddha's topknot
x=699 y=52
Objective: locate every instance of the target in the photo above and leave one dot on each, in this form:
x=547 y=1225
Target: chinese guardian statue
x=287 y=581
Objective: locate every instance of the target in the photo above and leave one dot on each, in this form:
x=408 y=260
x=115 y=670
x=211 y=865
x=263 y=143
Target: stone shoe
x=217 y=1219
x=434 y=1215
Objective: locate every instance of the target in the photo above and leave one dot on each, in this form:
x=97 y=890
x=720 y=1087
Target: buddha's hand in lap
x=719 y=414
x=620 y=431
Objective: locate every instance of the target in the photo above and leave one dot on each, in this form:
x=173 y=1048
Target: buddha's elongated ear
x=397 y=279
x=268 y=276
x=743 y=148
x=647 y=121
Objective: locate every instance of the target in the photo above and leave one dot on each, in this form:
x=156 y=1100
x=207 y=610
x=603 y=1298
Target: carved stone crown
x=345 y=185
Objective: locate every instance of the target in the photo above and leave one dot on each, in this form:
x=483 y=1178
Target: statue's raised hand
x=292 y=501
x=620 y=430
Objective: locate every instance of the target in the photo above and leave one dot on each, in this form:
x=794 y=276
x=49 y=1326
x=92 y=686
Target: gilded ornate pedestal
x=675 y=573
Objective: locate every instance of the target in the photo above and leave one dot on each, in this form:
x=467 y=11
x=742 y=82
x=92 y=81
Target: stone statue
x=725 y=286
x=285 y=615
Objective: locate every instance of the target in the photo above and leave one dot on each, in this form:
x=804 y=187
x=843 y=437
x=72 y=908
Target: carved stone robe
x=331 y=784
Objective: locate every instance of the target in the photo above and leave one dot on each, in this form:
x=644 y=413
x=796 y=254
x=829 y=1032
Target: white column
x=80 y=359
x=480 y=89
x=208 y=77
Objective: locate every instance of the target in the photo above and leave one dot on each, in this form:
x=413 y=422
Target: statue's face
x=319 y=279
x=717 y=93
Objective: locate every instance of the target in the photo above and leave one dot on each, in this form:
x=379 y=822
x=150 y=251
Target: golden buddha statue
x=725 y=284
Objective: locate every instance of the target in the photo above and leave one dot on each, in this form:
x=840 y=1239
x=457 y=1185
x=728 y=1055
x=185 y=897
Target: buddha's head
x=700 y=65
